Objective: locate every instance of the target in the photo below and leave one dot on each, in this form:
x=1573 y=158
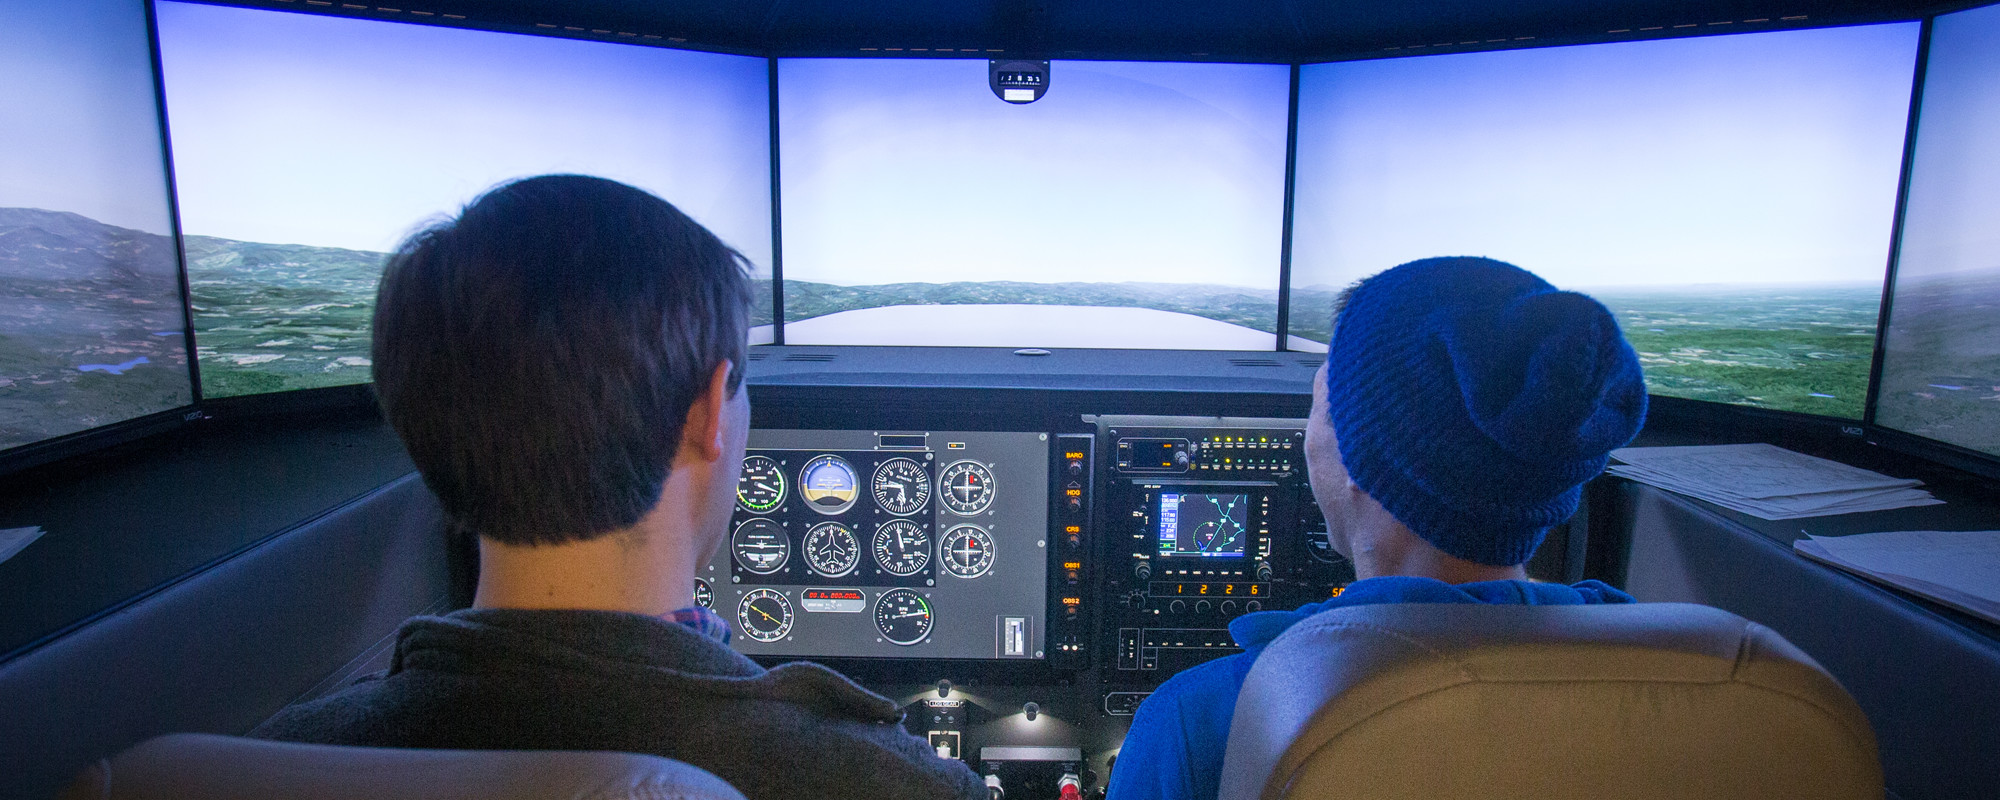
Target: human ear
x=705 y=433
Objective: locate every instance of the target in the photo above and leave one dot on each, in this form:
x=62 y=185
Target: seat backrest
x=1658 y=700
x=199 y=766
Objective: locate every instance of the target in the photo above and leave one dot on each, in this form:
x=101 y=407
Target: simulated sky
x=79 y=126
x=304 y=129
x=911 y=170
x=1953 y=220
x=1765 y=158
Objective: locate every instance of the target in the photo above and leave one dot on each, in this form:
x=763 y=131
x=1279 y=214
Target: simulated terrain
x=91 y=328
x=274 y=317
x=1941 y=365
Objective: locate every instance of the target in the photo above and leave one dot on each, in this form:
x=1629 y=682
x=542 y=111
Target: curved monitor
x=1941 y=352
x=306 y=147
x=1730 y=197
x=92 y=331
x=1135 y=205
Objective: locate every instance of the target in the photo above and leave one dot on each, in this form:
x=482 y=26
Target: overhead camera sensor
x=1018 y=81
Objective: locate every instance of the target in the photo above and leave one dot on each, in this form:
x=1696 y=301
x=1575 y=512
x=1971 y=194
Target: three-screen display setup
x=1732 y=198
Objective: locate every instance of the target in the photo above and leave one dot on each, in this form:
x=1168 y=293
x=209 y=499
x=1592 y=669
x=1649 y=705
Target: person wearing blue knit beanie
x=1463 y=404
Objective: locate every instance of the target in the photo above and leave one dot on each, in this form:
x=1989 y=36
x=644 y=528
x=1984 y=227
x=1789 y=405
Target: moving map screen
x=1202 y=525
x=92 y=331
x=1941 y=352
x=1730 y=198
x=306 y=147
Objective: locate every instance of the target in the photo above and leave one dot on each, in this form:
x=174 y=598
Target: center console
x=1019 y=591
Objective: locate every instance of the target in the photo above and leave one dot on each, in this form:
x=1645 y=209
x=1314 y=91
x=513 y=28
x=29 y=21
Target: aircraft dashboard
x=1019 y=591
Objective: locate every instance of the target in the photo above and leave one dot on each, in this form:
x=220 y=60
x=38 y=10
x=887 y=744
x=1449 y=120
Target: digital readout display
x=1202 y=525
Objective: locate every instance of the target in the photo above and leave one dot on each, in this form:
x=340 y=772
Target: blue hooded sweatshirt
x=1174 y=750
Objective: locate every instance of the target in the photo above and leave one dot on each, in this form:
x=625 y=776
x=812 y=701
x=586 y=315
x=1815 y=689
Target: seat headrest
x=1657 y=700
x=196 y=766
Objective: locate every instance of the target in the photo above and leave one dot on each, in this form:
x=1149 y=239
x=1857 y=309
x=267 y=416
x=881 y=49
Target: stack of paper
x=1768 y=481
x=1960 y=569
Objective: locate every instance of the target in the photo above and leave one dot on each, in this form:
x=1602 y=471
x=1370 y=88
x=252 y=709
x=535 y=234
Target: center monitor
x=868 y=544
x=1134 y=205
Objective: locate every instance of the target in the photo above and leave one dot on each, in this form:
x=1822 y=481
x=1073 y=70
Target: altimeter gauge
x=901 y=486
x=765 y=615
x=966 y=551
x=902 y=547
x=832 y=550
x=760 y=488
x=760 y=546
x=903 y=616
x=966 y=488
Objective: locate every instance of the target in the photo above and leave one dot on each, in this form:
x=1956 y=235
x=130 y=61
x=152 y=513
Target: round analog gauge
x=828 y=484
x=765 y=614
x=902 y=486
x=703 y=595
x=903 y=616
x=967 y=488
x=902 y=547
x=761 y=546
x=760 y=487
x=967 y=551
x=832 y=550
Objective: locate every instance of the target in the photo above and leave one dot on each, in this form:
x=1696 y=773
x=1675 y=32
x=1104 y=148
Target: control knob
x=1177 y=606
x=1135 y=599
x=1252 y=607
x=1201 y=606
x=1228 y=606
x=1143 y=571
x=1263 y=571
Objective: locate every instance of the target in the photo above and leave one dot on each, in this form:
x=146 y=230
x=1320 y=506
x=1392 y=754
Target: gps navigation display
x=306 y=147
x=1730 y=198
x=1135 y=205
x=92 y=330
x=1941 y=352
x=1203 y=525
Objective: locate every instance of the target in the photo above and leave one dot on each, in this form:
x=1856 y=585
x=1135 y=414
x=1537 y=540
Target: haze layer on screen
x=1731 y=197
x=91 y=323
x=1155 y=187
x=1941 y=354
x=307 y=146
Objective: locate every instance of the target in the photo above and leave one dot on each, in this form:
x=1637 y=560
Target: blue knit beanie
x=1473 y=400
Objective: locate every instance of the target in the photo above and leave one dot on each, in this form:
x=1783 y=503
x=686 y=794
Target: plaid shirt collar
x=700 y=620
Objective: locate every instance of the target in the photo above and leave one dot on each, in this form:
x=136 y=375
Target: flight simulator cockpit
x=1033 y=340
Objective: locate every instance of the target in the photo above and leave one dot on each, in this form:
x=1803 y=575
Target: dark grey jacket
x=493 y=679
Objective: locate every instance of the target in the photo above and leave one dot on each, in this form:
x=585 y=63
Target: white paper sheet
x=1767 y=481
x=1960 y=569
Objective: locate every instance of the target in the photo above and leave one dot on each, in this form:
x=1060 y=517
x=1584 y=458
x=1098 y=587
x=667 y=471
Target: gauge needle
x=766 y=487
x=761 y=611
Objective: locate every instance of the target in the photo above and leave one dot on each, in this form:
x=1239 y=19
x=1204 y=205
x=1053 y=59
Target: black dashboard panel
x=888 y=544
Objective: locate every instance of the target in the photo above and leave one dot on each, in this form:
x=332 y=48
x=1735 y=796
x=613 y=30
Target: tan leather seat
x=196 y=766
x=1658 y=700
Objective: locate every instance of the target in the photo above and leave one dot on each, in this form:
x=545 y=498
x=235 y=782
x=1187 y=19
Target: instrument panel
x=888 y=544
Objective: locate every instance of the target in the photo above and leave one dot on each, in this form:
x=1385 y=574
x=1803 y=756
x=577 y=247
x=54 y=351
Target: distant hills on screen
x=274 y=317
x=91 y=331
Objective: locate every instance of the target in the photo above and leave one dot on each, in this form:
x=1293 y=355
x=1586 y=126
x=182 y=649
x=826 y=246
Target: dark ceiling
x=1233 y=30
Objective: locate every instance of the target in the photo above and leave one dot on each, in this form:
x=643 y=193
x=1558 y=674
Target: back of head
x=1472 y=400
x=539 y=353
